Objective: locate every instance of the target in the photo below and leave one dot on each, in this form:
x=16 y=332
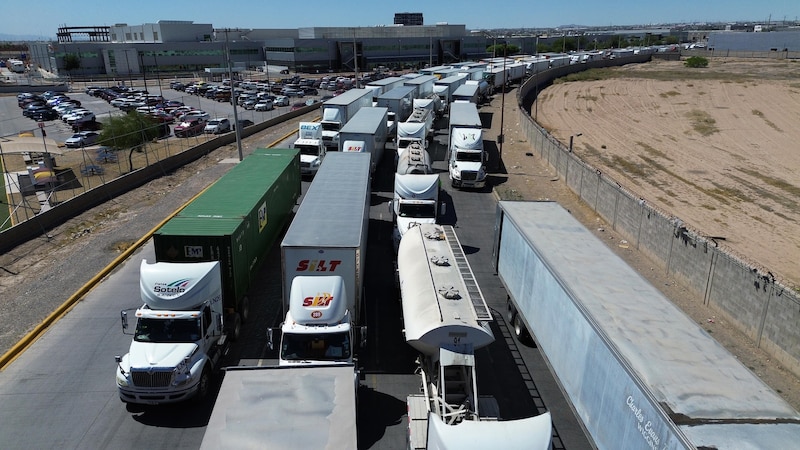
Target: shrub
x=696 y=61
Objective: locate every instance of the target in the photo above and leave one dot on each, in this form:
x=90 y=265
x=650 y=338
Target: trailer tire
x=245 y=309
x=512 y=312
x=521 y=332
x=235 y=326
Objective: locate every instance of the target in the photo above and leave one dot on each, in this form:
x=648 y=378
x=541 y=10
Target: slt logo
x=319 y=300
x=317 y=265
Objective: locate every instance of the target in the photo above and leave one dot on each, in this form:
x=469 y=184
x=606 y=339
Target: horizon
x=258 y=15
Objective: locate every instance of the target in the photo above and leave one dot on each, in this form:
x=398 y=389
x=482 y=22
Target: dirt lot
x=716 y=147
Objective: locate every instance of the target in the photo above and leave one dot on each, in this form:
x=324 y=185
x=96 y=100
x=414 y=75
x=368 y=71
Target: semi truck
x=399 y=102
x=309 y=143
x=466 y=156
x=322 y=261
x=195 y=294
x=415 y=201
x=446 y=319
x=366 y=132
x=639 y=372
x=338 y=110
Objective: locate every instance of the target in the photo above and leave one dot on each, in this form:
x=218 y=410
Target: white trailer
x=338 y=110
x=639 y=372
x=366 y=132
x=424 y=85
x=322 y=261
x=466 y=156
x=445 y=87
x=400 y=102
x=384 y=85
x=446 y=319
x=312 y=150
x=466 y=93
x=271 y=407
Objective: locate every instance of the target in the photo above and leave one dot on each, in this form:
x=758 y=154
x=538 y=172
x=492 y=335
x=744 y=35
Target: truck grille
x=305 y=165
x=469 y=175
x=157 y=378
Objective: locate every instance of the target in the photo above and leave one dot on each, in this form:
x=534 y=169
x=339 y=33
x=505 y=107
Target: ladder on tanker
x=475 y=295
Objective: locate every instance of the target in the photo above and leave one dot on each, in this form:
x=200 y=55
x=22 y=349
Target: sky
x=308 y=13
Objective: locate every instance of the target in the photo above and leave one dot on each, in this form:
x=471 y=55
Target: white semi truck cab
x=312 y=150
x=178 y=337
x=318 y=328
x=467 y=164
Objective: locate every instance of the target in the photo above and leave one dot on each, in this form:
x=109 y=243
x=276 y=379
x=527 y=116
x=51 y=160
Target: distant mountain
x=25 y=37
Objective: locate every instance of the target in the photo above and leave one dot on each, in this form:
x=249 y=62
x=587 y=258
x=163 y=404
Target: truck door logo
x=262 y=217
x=317 y=265
x=320 y=300
x=353 y=148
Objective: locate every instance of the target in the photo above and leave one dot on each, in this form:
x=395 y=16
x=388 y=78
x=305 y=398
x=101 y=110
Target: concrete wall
x=41 y=223
x=746 y=296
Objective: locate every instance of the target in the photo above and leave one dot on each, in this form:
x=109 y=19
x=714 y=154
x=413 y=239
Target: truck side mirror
x=391 y=206
x=270 y=343
x=124 y=319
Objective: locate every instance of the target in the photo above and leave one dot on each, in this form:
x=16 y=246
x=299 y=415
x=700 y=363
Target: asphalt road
x=61 y=394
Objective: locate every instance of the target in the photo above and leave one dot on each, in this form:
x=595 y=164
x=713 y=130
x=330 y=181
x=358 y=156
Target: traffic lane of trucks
x=63 y=381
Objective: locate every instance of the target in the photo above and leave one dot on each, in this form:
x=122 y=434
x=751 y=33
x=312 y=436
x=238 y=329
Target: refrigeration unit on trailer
x=639 y=372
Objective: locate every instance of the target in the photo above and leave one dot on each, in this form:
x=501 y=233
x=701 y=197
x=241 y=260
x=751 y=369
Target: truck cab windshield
x=469 y=156
x=308 y=150
x=315 y=347
x=167 y=330
x=417 y=210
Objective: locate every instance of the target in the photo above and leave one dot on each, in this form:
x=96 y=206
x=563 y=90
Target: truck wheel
x=521 y=332
x=512 y=313
x=203 y=386
x=237 y=327
x=245 y=309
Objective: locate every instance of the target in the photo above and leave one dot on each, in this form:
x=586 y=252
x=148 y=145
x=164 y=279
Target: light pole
x=236 y=126
x=571 y=138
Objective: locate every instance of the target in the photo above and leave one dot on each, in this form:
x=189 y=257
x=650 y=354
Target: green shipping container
x=236 y=220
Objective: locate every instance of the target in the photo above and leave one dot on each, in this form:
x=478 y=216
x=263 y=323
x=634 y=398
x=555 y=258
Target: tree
x=129 y=132
x=72 y=61
x=503 y=49
x=696 y=62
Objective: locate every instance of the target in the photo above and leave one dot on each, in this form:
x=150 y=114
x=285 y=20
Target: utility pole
x=236 y=127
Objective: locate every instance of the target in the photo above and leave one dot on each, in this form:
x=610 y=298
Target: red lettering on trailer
x=320 y=265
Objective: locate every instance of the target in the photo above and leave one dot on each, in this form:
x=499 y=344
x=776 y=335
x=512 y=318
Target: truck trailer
x=280 y=407
x=466 y=93
x=446 y=319
x=194 y=296
x=399 y=102
x=638 y=371
x=384 y=85
x=322 y=261
x=338 y=110
x=466 y=156
x=366 y=132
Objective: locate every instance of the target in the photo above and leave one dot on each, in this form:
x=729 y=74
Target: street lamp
x=571 y=139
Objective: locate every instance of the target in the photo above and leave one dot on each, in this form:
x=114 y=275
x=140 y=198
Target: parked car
x=43 y=115
x=189 y=127
x=310 y=91
x=298 y=105
x=196 y=114
x=243 y=123
x=250 y=103
x=264 y=105
x=82 y=139
x=281 y=100
x=217 y=126
x=89 y=125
